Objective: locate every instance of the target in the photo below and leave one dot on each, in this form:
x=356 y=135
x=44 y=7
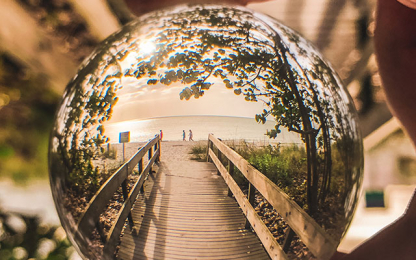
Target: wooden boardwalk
x=185 y=213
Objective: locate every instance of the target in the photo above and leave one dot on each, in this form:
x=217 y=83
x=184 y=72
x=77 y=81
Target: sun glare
x=147 y=47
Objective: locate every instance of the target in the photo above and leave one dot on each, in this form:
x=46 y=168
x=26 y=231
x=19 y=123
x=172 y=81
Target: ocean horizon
x=224 y=127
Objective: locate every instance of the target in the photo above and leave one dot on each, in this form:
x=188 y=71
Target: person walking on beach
x=183 y=136
x=161 y=135
x=190 y=135
x=395 y=49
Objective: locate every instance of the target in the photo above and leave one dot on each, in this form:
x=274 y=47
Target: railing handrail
x=89 y=219
x=312 y=235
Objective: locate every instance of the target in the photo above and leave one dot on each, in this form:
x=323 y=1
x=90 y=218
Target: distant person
x=183 y=136
x=161 y=135
x=395 y=49
x=190 y=135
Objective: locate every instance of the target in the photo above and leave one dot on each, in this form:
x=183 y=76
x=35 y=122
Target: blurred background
x=42 y=42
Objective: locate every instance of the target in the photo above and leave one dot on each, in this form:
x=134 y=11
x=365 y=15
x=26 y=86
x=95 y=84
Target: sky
x=139 y=101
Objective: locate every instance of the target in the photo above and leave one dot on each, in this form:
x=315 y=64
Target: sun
x=147 y=47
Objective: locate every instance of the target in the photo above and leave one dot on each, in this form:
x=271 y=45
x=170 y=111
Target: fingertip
x=408 y=3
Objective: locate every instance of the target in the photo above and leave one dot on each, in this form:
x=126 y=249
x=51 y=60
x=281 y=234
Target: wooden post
x=126 y=197
x=219 y=158
x=231 y=172
x=160 y=150
x=250 y=197
x=140 y=166
x=124 y=185
x=150 y=155
x=100 y=230
x=125 y=190
x=288 y=239
x=209 y=146
x=124 y=150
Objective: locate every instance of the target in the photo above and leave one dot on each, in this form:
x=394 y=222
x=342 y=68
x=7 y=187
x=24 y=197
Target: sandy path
x=177 y=150
x=171 y=150
x=187 y=214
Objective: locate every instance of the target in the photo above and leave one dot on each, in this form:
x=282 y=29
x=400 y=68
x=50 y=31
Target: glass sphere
x=281 y=124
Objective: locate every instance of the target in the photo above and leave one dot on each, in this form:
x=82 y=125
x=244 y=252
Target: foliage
x=199 y=152
x=110 y=153
x=284 y=166
x=79 y=132
x=68 y=27
x=30 y=239
x=26 y=114
x=259 y=61
x=27 y=102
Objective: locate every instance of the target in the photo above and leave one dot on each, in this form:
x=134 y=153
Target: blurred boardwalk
x=186 y=214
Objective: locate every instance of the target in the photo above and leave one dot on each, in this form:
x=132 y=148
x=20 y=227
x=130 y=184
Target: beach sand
x=170 y=150
x=178 y=150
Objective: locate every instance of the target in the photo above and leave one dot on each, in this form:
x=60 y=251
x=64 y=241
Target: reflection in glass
x=249 y=80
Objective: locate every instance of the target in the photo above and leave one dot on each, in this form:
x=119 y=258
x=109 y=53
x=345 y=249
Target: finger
x=409 y=3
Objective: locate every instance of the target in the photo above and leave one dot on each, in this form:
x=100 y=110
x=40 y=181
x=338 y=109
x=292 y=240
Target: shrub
x=285 y=166
x=199 y=152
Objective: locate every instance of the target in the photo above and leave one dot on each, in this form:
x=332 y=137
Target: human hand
x=409 y=3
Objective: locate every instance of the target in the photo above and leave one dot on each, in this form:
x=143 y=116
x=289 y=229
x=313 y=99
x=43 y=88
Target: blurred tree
x=26 y=106
x=25 y=237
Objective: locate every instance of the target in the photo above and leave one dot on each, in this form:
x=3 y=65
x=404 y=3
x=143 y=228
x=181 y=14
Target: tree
x=201 y=46
x=78 y=135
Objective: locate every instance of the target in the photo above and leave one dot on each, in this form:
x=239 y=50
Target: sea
x=223 y=127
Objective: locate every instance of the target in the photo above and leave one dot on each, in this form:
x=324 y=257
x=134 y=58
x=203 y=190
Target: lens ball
x=193 y=126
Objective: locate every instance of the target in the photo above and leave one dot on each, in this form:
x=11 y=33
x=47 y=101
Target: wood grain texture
x=312 y=235
x=269 y=242
x=89 y=219
x=185 y=213
x=114 y=234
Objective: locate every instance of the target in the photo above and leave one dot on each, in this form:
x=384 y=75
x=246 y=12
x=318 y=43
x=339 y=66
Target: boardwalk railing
x=90 y=218
x=312 y=235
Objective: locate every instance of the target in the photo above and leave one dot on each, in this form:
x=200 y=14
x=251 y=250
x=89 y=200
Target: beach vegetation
x=79 y=134
x=109 y=153
x=199 y=152
x=284 y=166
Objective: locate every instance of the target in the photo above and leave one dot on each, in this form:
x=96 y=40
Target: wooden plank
x=311 y=234
x=185 y=213
x=96 y=206
x=221 y=240
x=213 y=254
x=269 y=242
x=221 y=250
x=115 y=231
x=134 y=160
